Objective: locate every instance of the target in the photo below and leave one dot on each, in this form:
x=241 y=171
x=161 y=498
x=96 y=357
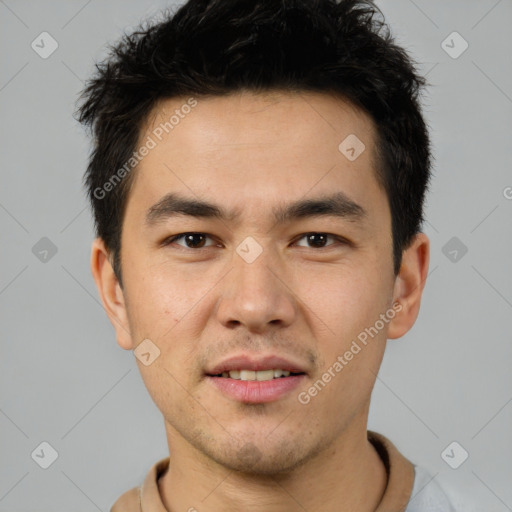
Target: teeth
x=265 y=375
x=247 y=375
x=260 y=375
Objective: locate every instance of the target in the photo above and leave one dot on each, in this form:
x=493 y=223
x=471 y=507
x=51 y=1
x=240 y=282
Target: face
x=274 y=252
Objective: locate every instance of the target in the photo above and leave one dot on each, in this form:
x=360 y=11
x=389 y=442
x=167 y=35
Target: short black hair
x=217 y=47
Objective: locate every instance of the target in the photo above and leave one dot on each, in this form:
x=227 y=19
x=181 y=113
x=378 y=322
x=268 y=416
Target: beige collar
x=400 y=475
x=400 y=471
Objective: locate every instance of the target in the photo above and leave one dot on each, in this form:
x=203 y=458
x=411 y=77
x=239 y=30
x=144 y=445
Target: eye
x=191 y=240
x=318 y=240
x=196 y=240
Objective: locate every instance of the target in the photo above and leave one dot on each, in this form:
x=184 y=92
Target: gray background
x=64 y=380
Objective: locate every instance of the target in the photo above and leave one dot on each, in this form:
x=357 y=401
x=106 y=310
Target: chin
x=262 y=458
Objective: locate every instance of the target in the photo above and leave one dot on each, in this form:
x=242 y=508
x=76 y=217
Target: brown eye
x=190 y=240
x=317 y=240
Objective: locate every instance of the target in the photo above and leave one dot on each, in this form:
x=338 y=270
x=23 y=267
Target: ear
x=409 y=285
x=110 y=293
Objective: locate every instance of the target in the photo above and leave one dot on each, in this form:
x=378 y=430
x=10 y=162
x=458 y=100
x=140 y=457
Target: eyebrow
x=337 y=205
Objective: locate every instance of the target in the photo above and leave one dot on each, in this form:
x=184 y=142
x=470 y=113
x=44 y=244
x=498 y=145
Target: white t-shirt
x=427 y=495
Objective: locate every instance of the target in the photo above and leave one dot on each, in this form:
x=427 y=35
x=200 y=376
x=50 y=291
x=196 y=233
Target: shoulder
x=427 y=495
x=147 y=493
x=128 y=501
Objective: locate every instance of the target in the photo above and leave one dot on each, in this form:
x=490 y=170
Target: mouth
x=249 y=380
x=256 y=375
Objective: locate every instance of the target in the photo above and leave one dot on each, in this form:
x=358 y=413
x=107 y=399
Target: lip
x=256 y=392
x=255 y=363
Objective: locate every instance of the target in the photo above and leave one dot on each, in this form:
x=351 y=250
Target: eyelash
x=181 y=236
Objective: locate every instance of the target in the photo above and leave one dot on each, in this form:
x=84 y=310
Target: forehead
x=244 y=118
x=258 y=146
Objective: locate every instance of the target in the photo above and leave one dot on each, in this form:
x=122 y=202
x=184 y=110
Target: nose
x=256 y=295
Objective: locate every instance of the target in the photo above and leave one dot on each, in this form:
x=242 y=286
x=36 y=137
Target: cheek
x=355 y=306
x=171 y=307
x=162 y=384
x=160 y=298
x=345 y=298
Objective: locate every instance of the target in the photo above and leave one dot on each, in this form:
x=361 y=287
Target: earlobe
x=110 y=292
x=409 y=285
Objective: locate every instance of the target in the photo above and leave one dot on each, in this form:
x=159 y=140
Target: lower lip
x=256 y=392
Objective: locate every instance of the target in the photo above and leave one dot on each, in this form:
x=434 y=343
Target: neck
x=349 y=475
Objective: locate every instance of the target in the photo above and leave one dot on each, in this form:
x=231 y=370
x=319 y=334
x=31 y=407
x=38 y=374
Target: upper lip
x=255 y=363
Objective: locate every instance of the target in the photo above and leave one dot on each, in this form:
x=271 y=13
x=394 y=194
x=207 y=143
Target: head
x=285 y=142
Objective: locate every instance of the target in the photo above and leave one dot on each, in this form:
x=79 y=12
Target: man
x=257 y=182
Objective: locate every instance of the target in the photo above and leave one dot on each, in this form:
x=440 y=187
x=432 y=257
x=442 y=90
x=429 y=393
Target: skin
x=250 y=153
